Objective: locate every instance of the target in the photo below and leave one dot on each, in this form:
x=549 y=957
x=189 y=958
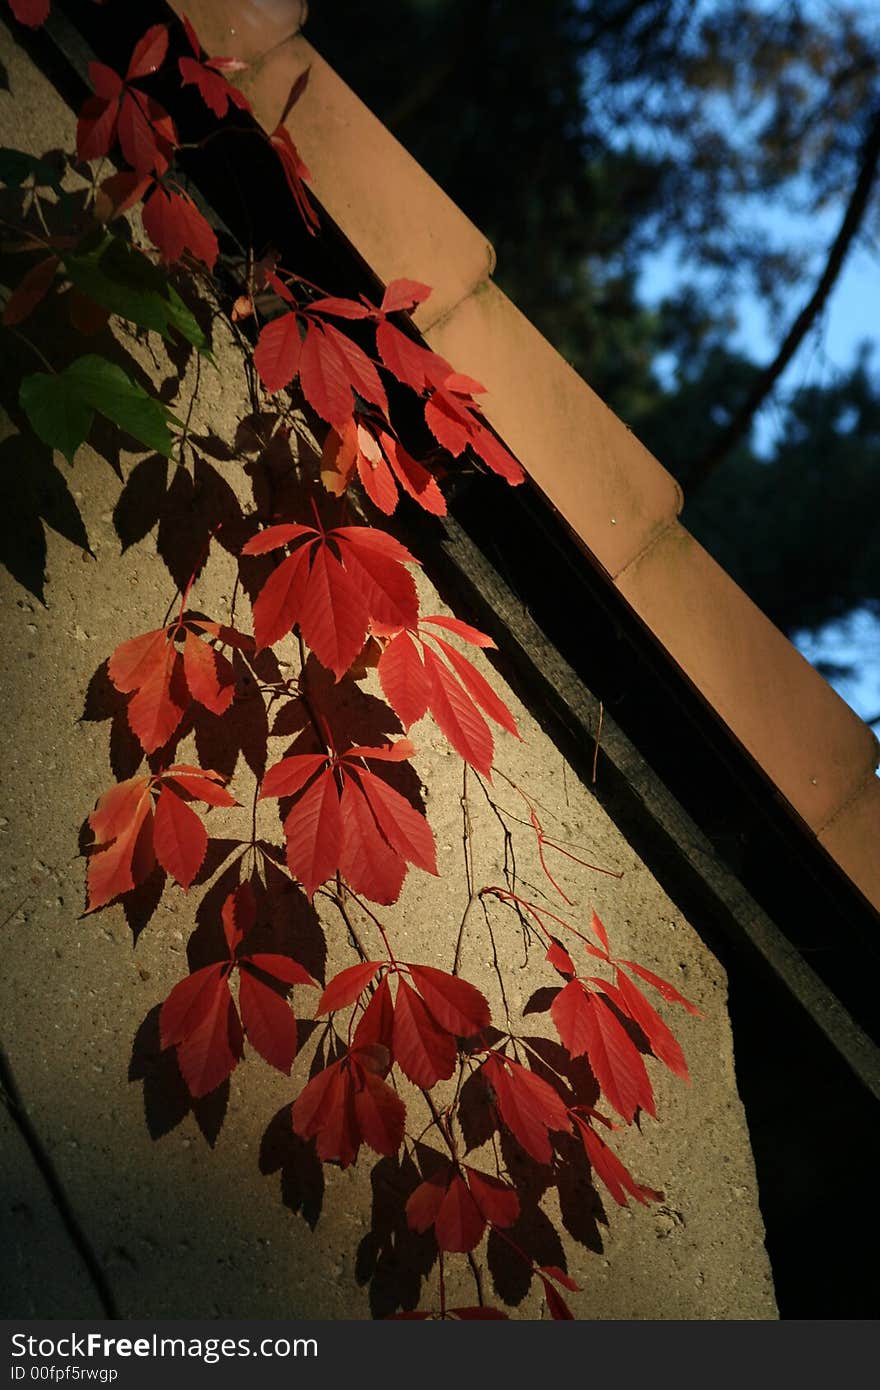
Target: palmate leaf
x=121 y=279
x=61 y=406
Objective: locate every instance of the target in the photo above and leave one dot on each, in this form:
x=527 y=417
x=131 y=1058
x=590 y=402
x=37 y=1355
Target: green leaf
x=56 y=410
x=61 y=406
x=16 y=166
x=123 y=280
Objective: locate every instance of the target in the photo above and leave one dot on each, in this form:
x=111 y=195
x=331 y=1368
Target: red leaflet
x=609 y=1168
x=347 y=1104
x=529 y=1107
x=630 y=1000
x=405 y=829
x=30 y=12
x=179 y=838
x=129 y=839
x=459 y=629
x=215 y=91
x=458 y=718
x=200 y=1019
x=614 y=1058
x=313 y=830
x=459 y=1223
x=296 y=174
x=153 y=671
x=478 y=688
x=145 y=130
x=458 y=1007
x=174 y=225
x=376 y=1025
x=29 y=291
x=559 y=1309
x=149 y=52
x=424 y=1203
x=366 y=860
x=558 y=957
x=663 y=987
x=404 y=679
x=424 y=1052
x=497 y=1201
x=278 y=351
x=403 y=295
x=347 y=986
x=332 y=587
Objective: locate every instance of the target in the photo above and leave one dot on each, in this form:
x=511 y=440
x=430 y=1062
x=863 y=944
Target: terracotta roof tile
x=247 y=30
x=851 y=839
x=620 y=502
x=591 y=467
x=406 y=226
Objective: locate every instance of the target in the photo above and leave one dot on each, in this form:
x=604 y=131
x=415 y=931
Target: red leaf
x=30 y=12
x=209 y=1054
x=201 y=785
x=458 y=1007
x=377 y=562
x=396 y=752
x=424 y=1053
x=295 y=173
x=663 y=987
x=174 y=225
x=561 y=1277
x=404 y=679
x=478 y=687
x=296 y=91
x=138 y=141
x=280 y=601
x=194 y=41
x=599 y=929
x=362 y=375
x=239 y=914
x=149 y=53
x=493 y=452
x=445 y=422
x=380 y=1114
x=291 y=774
x=528 y=1105
x=313 y=829
x=333 y=616
x=559 y=1309
x=374 y=473
x=366 y=861
x=323 y=374
x=95 y=128
x=570 y=1011
x=274 y=537
x=209 y=675
x=190 y=1002
x=459 y=629
x=179 y=838
x=120 y=192
x=346 y=987
x=458 y=718
x=424 y=1203
x=403 y=294
x=413 y=477
x=340 y=308
x=376 y=1024
x=404 y=359
x=121 y=819
x=325 y=1111
x=268 y=1021
x=146 y=665
x=214 y=89
x=283 y=968
x=30 y=289
x=664 y=1045
x=459 y=1223
x=498 y=1201
x=609 y=1168
x=405 y=829
x=278 y=352
x=613 y=1056
x=558 y=957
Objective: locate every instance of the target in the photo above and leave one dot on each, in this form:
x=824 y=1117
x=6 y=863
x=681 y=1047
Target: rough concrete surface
x=188 y=1227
